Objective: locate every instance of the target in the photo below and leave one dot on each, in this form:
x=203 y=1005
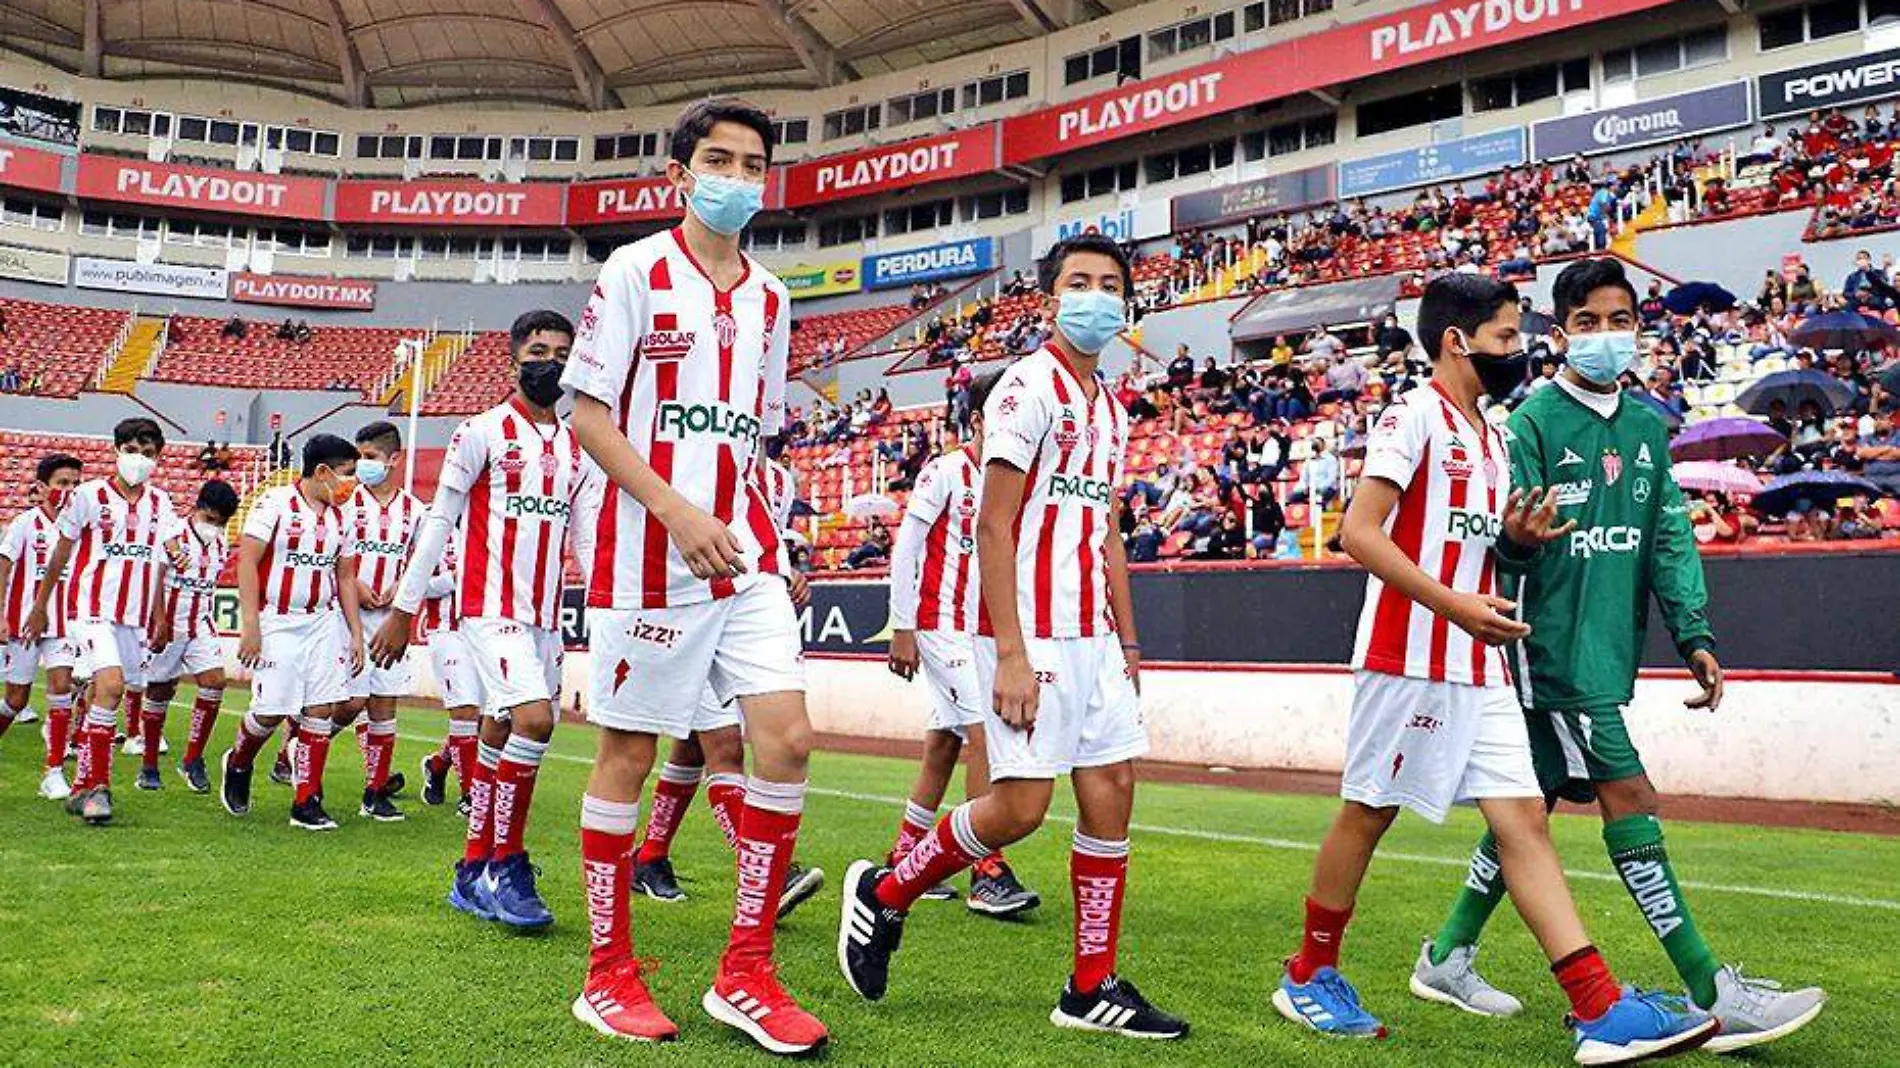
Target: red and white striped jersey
x=440 y=613
x=114 y=570
x=28 y=542
x=383 y=534
x=192 y=583
x=1039 y=421
x=943 y=592
x=302 y=549
x=521 y=478
x=781 y=489
x=694 y=376
x=1454 y=478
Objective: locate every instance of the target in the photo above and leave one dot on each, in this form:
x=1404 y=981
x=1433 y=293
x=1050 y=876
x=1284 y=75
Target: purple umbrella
x=1727 y=438
x=1717 y=477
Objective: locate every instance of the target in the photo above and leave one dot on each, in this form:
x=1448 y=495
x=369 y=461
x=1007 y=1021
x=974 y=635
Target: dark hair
x=382 y=432
x=53 y=463
x=219 y=497
x=1583 y=277
x=700 y=116
x=1464 y=301
x=981 y=387
x=138 y=430
x=532 y=323
x=326 y=450
x=1049 y=268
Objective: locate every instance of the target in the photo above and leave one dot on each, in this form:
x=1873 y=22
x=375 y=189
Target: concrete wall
x=1736 y=253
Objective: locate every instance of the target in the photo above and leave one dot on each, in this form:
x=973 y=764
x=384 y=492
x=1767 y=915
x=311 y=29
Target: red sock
x=251 y=736
x=911 y=829
x=59 y=725
x=462 y=759
x=151 y=729
x=1587 y=981
x=7 y=719
x=1325 y=929
x=313 y=751
x=513 y=792
x=204 y=716
x=768 y=832
x=949 y=848
x=99 y=741
x=671 y=796
x=480 y=843
x=1098 y=875
x=725 y=795
x=82 y=765
x=606 y=873
x=382 y=750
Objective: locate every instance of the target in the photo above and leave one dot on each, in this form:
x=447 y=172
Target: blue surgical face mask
x=1089 y=318
x=724 y=204
x=371 y=473
x=1601 y=357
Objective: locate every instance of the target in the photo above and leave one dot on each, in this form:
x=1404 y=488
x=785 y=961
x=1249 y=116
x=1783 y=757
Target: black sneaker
x=655 y=879
x=1116 y=1007
x=235 y=789
x=800 y=884
x=395 y=785
x=194 y=775
x=309 y=816
x=435 y=784
x=280 y=769
x=868 y=933
x=463 y=805
x=939 y=892
x=377 y=806
x=996 y=892
x=148 y=779
x=94 y=805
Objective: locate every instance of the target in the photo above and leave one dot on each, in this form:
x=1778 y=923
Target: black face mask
x=1500 y=374
x=541 y=382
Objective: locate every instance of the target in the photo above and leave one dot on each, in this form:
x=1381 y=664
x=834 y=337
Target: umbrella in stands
x=1828 y=393
x=1844 y=330
x=1822 y=488
x=870 y=506
x=1713 y=476
x=1689 y=296
x=1727 y=438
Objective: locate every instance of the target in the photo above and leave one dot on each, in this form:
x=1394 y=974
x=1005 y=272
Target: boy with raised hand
x=300 y=628
x=111 y=529
x=184 y=639
x=1433 y=721
x=25 y=550
x=1586 y=599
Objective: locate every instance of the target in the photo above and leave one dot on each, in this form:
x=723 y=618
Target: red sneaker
x=617 y=1004
x=755 y=1003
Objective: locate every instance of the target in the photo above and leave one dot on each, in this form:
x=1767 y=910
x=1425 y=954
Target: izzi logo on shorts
x=534 y=506
x=654 y=633
x=1081 y=487
x=678 y=421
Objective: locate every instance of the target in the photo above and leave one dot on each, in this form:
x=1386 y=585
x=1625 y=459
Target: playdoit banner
x=822 y=280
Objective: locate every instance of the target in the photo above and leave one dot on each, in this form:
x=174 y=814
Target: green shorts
x=1572 y=751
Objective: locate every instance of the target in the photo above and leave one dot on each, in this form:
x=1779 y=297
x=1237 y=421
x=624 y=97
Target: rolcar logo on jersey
x=1649 y=885
x=1588 y=543
x=1082 y=487
x=677 y=421
x=120 y=551
x=381 y=548
x=316 y=560
x=1463 y=524
x=194 y=584
x=534 y=506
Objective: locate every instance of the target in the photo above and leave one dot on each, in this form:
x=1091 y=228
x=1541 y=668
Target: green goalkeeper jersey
x=1586 y=595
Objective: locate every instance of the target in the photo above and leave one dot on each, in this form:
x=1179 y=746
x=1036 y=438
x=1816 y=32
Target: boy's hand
x=1483 y=616
x=706 y=544
x=903 y=655
x=1530 y=518
x=1708 y=673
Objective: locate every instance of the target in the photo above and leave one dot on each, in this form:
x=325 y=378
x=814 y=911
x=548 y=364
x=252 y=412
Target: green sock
x=1636 y=851
x=1477 y=900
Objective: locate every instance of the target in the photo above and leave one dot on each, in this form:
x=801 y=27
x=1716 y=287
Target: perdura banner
x=1275 y=192
x=162 y=279
x=33 y=265
x=822 y=280
x=1647 y=122
x=1874 y=76
x=956 y=259
x=1443 y=161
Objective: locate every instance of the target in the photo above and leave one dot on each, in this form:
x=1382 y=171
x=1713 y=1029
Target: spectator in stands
x=1858 y=520
x=840 y=428
x=287 y=330
x=1144 y=542
x=1268 y=447
x=302 y=334
x=958 y=385
x=1345 y=379
x=1269 y=519
x=1867 y=285
x=1193 y=507
x=881 y=407
x=1803 y=290
x=1880 y=453
x=1714 y=520
x=226 y=457
x=1601 y=213
x=1319 y=477
x=1323 y=346
x=1391 y=337
x=1652 y=309
x=1227 y=542
x=1181 y=368
x=1663 y=390
x=1018 y=285
x=1213 y=380
x=873 y=551
x=1281 y=355
x=208 y=458
x=919 y=300
x=3 y=322
x=279 y=450
x=10 y=381
x=233 y=328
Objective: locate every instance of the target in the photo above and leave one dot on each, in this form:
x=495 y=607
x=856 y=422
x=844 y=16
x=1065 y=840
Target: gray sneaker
x=1457 y=982
x=1754 y=1011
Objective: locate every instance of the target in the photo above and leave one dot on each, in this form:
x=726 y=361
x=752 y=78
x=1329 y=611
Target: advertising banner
x=451 y=203
x=956 y=259
x=29 y=168
x=1130 y=223
x=1874 y=76
x=623 y=200
x=161 y=279
x=1275 y=192
x=1443 y=161
x=893 y=166
x=33 y=265
x=1646 y=122
x=228 y=192
x=351 y=294
x=822 y=280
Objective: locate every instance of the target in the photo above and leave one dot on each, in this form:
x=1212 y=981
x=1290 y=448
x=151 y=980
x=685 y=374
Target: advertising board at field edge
x=822 y=280
x=1441 y=161
x=167 y=185
x=1645 y=122
x=160 y=279
x=1853 y=80
x=451 y=203
x=952 y=259
x=29 y=168
x=291 y=291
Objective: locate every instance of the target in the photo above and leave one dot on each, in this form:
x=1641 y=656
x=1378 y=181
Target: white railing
x=158 y=347
x=113 y=350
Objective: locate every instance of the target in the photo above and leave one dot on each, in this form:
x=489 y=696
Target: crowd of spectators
x=15 y=380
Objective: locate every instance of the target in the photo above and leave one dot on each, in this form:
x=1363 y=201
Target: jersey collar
x=1069 y=368
x=745 y=263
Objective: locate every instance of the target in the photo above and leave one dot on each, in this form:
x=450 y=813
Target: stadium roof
x=580 y=54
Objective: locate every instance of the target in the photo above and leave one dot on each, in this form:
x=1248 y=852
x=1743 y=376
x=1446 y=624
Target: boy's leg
x=204 y=715
x=941 y=749
x=723 y=750
x=155 y=708
x=614 y=999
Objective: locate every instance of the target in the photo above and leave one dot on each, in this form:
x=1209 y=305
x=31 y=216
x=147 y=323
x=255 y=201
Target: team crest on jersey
x=966 y=503
x=512 y=460
x=726 y=329
x=1007 y=406
x=549 y=463
x=1612 y=466
x=1457 y=461
x=1094 y=436
x=1067 y=433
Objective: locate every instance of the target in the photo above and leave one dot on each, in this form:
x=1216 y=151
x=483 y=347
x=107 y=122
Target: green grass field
x=181 y=936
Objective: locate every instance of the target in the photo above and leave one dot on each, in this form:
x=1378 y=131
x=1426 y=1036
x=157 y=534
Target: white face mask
x=135 y=469
x=207 y=532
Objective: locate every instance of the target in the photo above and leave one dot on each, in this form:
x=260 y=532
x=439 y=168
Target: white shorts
x=185 y=656
x=948 y=660
x=456 y=681
x=651 y=667
x=517 y=664
x=1087 y=714
x=305 y=663
x=396 y=681
x=105 y=645
x=1430 y=745
x=21 y=662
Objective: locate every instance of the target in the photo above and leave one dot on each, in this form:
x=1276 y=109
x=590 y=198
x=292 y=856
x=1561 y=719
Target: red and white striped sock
x=671 y=795
x=382 y=741
x=949 y=848
x=464 y=736
x=251 y=736
x=1098 y=875
x=101 y=724
x=204 y=716
x=59 y=726
x=313 y=751
x=915 y=825
x=366 y=746
x=152 y=730
x=514 y=792
x=480 y=843
x=725 y=795
x=606 y=874
x=768 y=832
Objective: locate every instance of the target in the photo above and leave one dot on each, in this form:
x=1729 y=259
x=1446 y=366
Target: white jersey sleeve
x=603 y=355
x=1015 y=421
x=13 y=544
x=261 y=522
x=1396 y=443
x=927 y=500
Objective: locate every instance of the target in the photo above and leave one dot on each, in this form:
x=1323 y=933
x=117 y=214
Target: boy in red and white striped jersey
x=24 y=552
x=111 y=530
x=457 y=683
x=184 y=640
x=509 y=481
x=300 y=628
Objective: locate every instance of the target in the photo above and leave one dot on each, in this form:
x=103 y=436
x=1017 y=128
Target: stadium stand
x=832 y=335
x=53 y=350
x=179 y=472
x=476 y=381
x=205 y=351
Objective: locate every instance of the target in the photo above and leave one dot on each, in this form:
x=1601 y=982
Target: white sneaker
x=53 y=785
x=1457 y=982
x=134 y=746
x=1754 y=1011
x=27 y=715
x=164 y=746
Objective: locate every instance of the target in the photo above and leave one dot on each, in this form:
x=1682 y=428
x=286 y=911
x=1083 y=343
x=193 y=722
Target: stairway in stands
x=437 y=358
x=138 y=354
x=282 y=476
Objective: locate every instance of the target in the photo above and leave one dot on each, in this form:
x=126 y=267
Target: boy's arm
x=346 y=591
x=1363 y=536
x=43 y=596
x=250 y=598
x=1121 y=597
x=1015 y=689
x=1675 y=579
x=6 y=572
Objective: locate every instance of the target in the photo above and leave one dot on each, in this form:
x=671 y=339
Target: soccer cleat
x=1116 y=1007
x=94 y=806
x=995 y=891
x=755 y=1003
x=234 y=792
x=280 y=769
x=134 y=746
x=468 y=891
x=194 y=775
x=435 y=784
x=1327 y=1003
x=617 y=1003
x=377 y=806
x=53 y=785
x=509 y=885
x=310 y=816
x=149 y=779
x=868 y=932
x=800 y=884
x=655 y=879
x=1755 y=1011
x=26 y=716
x=1642 y=1025
x=939 y=892
x=395 y=784
x=1457 y=982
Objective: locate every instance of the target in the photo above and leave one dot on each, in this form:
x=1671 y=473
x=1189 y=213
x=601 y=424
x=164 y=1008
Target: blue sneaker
x=1327 y=1003
x=1641 y=1025
x=512 y=897
x=466 y=892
